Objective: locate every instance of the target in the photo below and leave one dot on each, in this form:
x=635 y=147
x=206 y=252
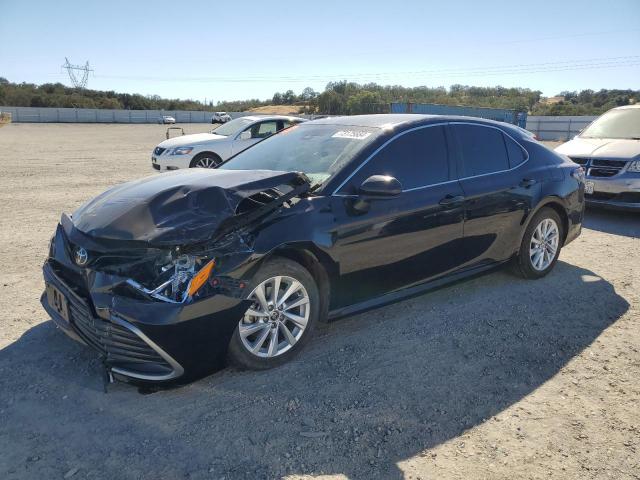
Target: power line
x=513 y=69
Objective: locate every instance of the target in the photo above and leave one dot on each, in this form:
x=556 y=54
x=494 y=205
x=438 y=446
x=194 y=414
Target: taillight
x=578 y=174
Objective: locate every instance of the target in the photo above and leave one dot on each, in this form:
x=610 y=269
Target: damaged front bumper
x=139 y=339
x=125 y=348
x=119 y=275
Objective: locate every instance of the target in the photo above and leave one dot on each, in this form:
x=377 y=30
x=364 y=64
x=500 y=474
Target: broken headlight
x=178 y=278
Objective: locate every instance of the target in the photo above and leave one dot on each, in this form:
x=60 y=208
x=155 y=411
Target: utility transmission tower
x=78 y=81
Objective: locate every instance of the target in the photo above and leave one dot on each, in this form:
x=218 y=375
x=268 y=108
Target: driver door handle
x=449 y=200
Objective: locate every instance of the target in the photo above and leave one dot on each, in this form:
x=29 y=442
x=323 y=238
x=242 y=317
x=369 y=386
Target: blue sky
x=228 y=50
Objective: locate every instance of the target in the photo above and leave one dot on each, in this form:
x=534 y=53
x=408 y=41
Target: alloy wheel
x=277 y=317
x=207 y=162
x=544 y=244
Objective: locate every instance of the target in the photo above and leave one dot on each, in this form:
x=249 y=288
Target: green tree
x=364 y=102
x=308 y=94
x=289 y=97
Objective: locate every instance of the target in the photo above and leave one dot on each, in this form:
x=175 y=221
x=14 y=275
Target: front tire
x=541 y=244
x=205 y=160
x=282 y=318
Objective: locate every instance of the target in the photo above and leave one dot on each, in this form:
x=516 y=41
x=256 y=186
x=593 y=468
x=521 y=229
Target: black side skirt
x=413 y=291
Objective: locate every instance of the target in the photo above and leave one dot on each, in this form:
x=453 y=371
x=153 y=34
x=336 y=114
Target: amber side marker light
x=200 y=278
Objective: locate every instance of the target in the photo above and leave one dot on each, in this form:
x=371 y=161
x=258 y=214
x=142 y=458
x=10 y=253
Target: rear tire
x=541 y=245
x=275 y=328
x=205 y=160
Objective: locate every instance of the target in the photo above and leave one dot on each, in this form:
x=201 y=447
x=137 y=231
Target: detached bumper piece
x=125 y=349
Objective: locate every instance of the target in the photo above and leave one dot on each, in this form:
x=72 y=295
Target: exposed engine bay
x=162 y=240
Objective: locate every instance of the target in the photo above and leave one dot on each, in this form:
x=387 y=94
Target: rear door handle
x=527 y=182
x=449 y=200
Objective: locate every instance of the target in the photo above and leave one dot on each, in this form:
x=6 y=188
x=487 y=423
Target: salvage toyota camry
x=170 y=276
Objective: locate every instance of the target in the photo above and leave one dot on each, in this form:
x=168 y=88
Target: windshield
x=623 y=123
x=232 y=127
x=316 y=150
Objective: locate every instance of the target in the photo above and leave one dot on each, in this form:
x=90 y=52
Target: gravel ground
x=495 y=377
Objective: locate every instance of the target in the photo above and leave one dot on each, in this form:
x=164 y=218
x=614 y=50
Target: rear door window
x=483 y=149
x=417 y=159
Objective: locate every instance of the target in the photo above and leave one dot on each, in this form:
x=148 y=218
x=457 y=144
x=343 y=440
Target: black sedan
x=171 y=276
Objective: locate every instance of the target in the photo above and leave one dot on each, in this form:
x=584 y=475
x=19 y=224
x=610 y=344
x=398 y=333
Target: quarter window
x=417 y=159
x=482 y=149
x=517 y=155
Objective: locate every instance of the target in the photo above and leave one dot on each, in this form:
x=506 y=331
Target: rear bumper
x=148 y=341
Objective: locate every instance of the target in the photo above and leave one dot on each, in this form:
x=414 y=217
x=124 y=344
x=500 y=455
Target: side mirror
x=380 y=186
x=246 y=135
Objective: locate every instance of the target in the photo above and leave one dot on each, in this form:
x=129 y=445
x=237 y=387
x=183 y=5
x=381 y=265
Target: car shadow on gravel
x=612 y=221
x=369 y=392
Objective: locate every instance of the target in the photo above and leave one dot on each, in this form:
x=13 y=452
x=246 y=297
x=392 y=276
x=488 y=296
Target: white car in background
x=208 y=150
x=220 y=117
x=166 y=119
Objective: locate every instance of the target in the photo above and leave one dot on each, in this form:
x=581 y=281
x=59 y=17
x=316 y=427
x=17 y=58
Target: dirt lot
x=494 y=378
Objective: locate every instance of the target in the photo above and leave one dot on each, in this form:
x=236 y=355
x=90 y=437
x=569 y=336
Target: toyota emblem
x=82 y=257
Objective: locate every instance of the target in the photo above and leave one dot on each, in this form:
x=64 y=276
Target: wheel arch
x=556 y=204
x=321 y=267
x=201 y=154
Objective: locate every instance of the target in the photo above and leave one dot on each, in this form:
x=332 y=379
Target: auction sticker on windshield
x=352 y=134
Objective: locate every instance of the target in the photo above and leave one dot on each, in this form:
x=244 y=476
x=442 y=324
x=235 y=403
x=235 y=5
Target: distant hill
x=276 y=109
x=58 y=95
x=338 y=98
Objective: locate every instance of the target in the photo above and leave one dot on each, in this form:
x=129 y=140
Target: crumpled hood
x=622 y=149
x=194 y=139
x=175 y=208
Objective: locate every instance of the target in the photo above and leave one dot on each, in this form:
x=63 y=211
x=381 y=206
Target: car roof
x=255 y=118
x=376 y=120
x=391 y=120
